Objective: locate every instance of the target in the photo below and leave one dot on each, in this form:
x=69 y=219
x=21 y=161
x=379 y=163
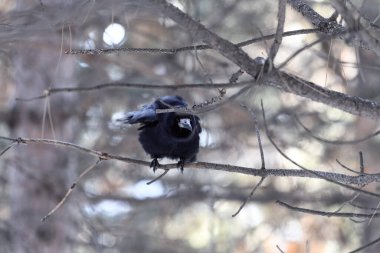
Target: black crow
x=170 y=134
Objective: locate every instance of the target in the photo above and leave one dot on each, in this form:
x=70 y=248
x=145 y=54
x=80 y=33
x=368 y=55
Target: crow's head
x=182 y=125
x=185 y=124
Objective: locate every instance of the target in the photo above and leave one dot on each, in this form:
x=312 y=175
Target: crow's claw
x=181 y=164
x=154 y=164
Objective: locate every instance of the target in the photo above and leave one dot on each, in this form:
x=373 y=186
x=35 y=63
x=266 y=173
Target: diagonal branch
x=200 y=32
x=296 y=85
x=256 y=124
x=376 y=241
x=282 y=80
x=328 y=26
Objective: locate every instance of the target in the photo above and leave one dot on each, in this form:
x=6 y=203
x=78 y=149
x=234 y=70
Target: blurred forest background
x=112 y=209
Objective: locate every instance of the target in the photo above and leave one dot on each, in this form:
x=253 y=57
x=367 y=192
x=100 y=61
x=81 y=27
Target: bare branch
x=249 y=196
x=7 y=148
x=256 y=124
x=262 y=160
x=157 y=178
x=279 y=32
x=186 y=48
x=67 y=194
x=328 y=214
x=328 y=26
x=311 y=171
x=336 y=142
x=291 y=57
x=51 y=91
x=345 y=167
x=361 y=160
x=359 y=34
x=296 y=85
x=279 y=249
x=304 y=173
x=376 y=241
x=198 y=31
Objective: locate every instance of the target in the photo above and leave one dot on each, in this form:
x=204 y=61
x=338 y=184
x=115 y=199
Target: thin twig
x=43 y=117
x=356 y=195
x=365 y=207
x=7 y=148
x=292 y=56
x=50 y=115
x=209 y=105
x=157 y=178
x=51 y=91
x=334 y=181
x=361 y=161
x=203 y=68
x=272 y=36
x=328 y=214
x=335 y=142
x=279 y=249
x=366 y=246
x=345 y=167
x=249 y=196
x=60 y=203
x=262 y=160
x=279 y=32
x=358 y=173
x=370 y=220
x=186 y=48
x=256 y=124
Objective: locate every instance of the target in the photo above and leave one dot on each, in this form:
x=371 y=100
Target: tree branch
x=199 y=31
x=362 y=179
x=328 y=214
x=328 y=26
x=279 y=31
x=185 y=48
x=351 y=104
x=50 y=91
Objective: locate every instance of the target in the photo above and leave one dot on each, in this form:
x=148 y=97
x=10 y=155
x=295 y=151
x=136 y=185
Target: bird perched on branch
x=173 y=134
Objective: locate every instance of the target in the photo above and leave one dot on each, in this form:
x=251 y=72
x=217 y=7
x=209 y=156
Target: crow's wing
x=147 y=113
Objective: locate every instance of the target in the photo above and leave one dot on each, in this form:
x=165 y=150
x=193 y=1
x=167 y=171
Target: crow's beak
x=185 y=123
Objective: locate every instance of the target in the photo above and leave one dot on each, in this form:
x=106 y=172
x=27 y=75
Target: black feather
x=174 y=135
